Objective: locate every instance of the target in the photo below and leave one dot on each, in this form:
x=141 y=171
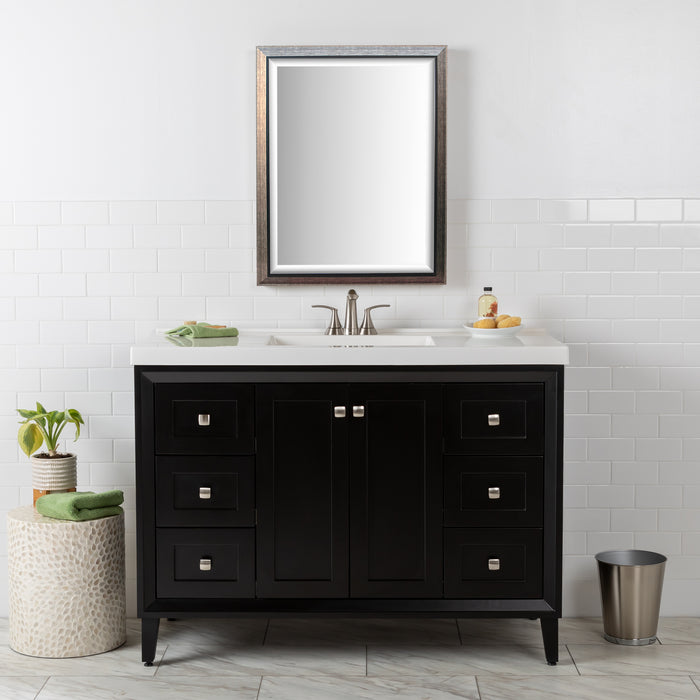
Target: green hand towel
x=82 y=505
x=203 y=330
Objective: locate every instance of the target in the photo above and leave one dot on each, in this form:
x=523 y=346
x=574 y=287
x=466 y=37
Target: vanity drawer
x=494 y=418
x=205 y=563
x=204 y=419
x=493 y=563
x=482 y=491
x=205 y=491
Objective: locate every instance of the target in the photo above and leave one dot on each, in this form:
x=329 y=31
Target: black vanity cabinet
x=426 y=491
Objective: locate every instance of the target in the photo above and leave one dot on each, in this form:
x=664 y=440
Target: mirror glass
x=351 y=164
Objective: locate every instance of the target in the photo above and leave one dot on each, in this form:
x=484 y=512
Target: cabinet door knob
x=205 y=564
x=494 y=419
x=494 y=492
x=204 y=492
x=339 y=411
x=494 y=564
x=358 y=411
x=204 y=419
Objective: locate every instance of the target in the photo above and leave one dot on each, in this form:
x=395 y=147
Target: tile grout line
x=257 y=695
x=366 y=660
x=48 y=678
x=459 y=633
x=478 y=689
x=267 y=627
x=573 y=661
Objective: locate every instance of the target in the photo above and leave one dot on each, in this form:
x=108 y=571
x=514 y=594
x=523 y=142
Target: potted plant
x=52 y=471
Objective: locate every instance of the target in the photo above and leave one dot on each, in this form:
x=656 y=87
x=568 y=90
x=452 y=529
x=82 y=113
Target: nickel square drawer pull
x=358 y=411
x=494 y=419
x=204 y=419
x=339 y=411
x=205 y=492
x=494 y=564
x=205 y=564
x=494 y=492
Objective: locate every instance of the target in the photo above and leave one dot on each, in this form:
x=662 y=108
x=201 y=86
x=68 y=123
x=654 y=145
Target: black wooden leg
x=550 y=637
x=149 y=639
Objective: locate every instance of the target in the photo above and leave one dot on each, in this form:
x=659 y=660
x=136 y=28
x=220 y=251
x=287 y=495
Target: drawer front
x=204 y=419
x=205 y=563
x=493 y=491
x=493 y=563
x=205 y=491
x=493 y=418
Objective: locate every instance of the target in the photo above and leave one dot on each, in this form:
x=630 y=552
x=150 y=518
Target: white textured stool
x=67 y=595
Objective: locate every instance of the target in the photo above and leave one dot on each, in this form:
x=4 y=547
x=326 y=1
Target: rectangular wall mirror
x=351 y=164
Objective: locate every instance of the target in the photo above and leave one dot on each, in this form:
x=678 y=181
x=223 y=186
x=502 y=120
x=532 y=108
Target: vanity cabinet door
x=302 y=482
x=395 y=491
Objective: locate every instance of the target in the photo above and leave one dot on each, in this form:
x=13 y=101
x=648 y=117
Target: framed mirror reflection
x=350 y=164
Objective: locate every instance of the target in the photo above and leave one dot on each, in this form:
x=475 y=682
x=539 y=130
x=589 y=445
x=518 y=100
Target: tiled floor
x=372 y=659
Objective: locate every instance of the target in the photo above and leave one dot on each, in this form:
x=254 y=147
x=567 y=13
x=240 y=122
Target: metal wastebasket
x=630 y=588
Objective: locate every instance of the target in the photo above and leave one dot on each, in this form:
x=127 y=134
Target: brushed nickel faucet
x=351 y=327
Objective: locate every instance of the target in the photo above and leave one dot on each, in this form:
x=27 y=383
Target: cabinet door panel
x=396 y=509
x=302 y=492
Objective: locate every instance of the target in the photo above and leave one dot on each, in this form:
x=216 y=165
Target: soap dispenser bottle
x=488 y=304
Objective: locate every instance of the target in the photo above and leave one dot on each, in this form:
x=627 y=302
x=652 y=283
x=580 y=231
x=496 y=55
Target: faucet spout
x=351 y=327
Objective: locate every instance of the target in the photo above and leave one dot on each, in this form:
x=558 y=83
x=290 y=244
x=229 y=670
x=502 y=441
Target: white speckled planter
x=53 y=475
x=67 y=594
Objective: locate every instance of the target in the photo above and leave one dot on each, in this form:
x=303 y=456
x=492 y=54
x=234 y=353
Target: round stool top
x=29 y=514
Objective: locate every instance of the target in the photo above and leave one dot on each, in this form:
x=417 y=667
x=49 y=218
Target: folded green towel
x=185 y=341
x=81 y=505
x=203 y=330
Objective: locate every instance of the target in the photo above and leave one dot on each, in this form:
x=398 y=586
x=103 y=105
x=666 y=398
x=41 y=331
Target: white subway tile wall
x=616 y=279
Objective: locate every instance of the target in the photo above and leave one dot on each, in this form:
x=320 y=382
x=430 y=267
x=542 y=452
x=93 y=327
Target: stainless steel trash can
x=630 y=588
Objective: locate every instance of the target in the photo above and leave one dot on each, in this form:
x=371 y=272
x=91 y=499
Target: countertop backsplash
x=618 y=280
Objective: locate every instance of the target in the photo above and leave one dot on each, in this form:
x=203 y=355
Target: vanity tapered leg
x=149 y=639
x=550 y=637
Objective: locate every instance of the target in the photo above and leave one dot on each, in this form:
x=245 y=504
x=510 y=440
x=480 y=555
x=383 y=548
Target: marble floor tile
x=651 y=660
x=587 y=688
x=469 y=661
x=21 y=687
x=124 y=661
x=679 y=630
x=209 y=631
x=497 y=630
x=361 y=631
x=4 y=630
x=174 y=688
x=334 y=688
x=579 y=630
x=272 y=660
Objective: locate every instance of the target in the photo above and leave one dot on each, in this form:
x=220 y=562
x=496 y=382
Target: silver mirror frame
x=437 y=276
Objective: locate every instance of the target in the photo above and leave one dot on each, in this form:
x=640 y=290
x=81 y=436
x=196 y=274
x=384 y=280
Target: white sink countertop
x=407 y=346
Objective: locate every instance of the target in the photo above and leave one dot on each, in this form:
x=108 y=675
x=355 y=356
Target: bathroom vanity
x=413 y=473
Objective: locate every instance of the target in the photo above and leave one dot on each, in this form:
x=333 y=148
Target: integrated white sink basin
x=351 y=341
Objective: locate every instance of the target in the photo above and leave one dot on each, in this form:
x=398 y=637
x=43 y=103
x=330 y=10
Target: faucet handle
x=367 y=327
x=334 y=327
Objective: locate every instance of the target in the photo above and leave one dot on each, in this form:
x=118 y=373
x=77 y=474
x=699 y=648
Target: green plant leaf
x=40 y=408
x=26 y=413
x=30 y=438
x=75 y=415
